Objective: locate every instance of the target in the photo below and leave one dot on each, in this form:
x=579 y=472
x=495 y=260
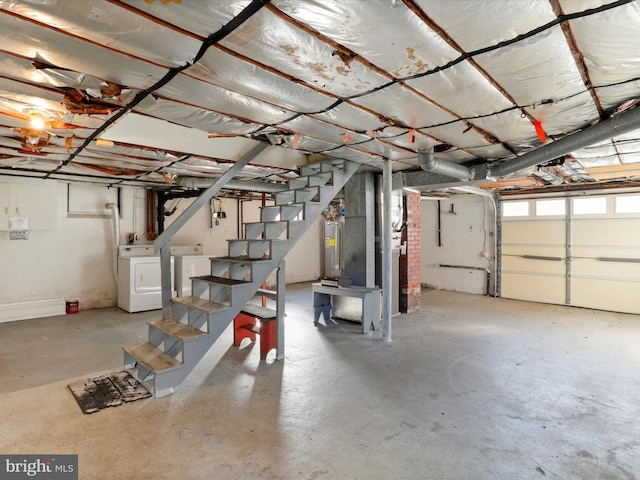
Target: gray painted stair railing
x=177 y=344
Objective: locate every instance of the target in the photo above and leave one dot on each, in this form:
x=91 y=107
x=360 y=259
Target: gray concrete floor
x=471 y=387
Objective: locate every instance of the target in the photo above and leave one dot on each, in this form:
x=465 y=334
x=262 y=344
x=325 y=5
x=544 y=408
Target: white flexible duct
x=115 y=218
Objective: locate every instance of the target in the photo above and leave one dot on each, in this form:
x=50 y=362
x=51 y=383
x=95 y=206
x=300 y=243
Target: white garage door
x=581 y=251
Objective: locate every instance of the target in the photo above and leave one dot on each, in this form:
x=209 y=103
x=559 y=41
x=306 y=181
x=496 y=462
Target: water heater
x=333 y=249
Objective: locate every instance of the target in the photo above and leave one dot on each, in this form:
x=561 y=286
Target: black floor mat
x=107 y=391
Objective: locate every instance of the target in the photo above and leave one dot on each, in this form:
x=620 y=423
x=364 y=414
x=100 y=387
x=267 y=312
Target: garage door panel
x=526 y=265
x=622 y=232
x=528 y=273
x=600 y=251
x=534 y=288
x=537 y=250
x=616 y=296
x=534 y=232
x=588 y=267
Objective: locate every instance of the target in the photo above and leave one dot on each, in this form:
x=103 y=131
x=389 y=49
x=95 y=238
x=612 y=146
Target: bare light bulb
x=37 y=122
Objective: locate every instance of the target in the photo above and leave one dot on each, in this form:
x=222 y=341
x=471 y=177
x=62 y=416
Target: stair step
x=257 y=249
x=267 y=230
x=281 y=213
x=263 y=313
x=272 y=294
x=247 y=247
x=178 y=329
x=313 y=180
x=227 y=282
x=151 y=357
x=300 y=195
x=201 y=304
x=241 y=259
x=321 y=167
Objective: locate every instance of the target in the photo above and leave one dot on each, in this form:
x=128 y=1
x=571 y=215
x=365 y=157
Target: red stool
x=268 y=337
x=246 y=326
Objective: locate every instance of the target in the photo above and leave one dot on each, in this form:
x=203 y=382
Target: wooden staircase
x=177 y=344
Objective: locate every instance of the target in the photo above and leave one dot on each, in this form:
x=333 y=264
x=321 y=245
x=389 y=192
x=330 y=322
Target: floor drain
x=107 y=391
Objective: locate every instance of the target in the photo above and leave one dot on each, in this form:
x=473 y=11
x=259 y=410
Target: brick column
x=411 y=263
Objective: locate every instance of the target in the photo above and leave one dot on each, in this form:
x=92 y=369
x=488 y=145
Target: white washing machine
x=139 y=284
x=189 y=262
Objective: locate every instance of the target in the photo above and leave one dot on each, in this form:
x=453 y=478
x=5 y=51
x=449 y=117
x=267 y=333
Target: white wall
x=467 y=238
x=72 y=260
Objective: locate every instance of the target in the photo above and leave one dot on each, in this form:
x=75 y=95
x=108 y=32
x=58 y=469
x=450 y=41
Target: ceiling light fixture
x=37 y=121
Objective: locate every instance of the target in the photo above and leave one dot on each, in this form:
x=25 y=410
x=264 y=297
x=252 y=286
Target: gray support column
x=280 y=301
x=568 y=254
x=386 y=252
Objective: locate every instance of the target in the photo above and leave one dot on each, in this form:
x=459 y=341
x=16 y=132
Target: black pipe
x=162 y=199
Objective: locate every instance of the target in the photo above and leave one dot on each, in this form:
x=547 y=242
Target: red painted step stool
x=248 y=324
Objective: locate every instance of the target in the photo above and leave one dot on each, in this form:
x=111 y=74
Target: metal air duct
x=617 y=125
x=428 y=163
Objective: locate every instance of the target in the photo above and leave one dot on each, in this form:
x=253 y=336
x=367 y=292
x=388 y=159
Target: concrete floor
x=470 y=388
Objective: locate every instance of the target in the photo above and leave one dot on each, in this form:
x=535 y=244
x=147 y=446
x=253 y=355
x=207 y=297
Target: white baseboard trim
x=10 y=312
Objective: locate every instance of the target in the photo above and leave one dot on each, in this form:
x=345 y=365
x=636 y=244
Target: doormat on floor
x=107 y=391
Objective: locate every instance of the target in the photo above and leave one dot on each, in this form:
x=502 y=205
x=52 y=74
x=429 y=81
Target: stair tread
x=261 y=312
x=151 y=357
x=241 y=258
x=220 y=280
x=178 y=329
x=200 y=304
x=309 y=187
x=267 y=221
x=272 y=294
x=255 y=240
